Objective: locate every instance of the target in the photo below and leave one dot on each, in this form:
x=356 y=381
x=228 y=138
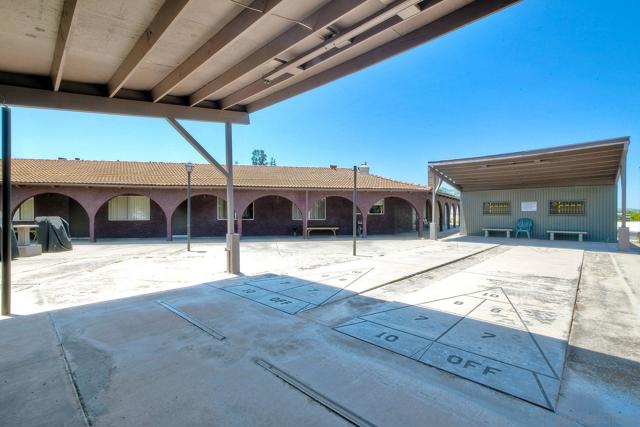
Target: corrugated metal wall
x=599 y=219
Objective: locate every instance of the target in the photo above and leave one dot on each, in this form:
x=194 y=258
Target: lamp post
x=189 y=168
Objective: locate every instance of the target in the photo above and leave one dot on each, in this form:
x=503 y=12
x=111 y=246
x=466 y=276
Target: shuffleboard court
x=293 y=294
x=299 y=290
x=503 y=323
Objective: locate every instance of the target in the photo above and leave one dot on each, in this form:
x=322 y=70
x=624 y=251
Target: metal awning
x=209 y=60
x=591 y=163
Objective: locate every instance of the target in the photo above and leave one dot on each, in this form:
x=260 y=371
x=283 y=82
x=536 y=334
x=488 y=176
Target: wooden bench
x=580 y=234
x=506 y=230
x=334 y=229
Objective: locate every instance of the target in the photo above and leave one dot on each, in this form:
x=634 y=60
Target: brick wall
x=339 y=214
x=204 y=222
x=272 y=217
x=155 y=227
x=397 y=218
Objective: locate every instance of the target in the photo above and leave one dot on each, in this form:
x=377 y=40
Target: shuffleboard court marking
x=325 y=401
x=195 y=322
x=293 y=295
x=481 y=343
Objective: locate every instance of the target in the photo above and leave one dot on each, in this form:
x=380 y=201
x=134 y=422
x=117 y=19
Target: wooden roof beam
x=41 y=98
x=381 y=20
x=444 y=25
x=319 y=20
x=161 y=22
x=238 y=25
x=67 y=19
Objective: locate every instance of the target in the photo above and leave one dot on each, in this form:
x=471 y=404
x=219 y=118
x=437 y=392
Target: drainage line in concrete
x=217 y=335
x=318 y=397
x=573 y=316
x=67 y=368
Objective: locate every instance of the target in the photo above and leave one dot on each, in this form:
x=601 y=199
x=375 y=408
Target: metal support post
x=189 y=168
x=233 y=240
x=355 y=209
x=7 y=229
x=624 y=243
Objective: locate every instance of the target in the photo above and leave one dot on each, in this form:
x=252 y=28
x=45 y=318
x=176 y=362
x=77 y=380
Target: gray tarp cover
x=53 y=234
x=14 y=245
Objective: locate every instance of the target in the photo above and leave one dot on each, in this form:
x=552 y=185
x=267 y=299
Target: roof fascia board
x=40 y=98
x=524 y=154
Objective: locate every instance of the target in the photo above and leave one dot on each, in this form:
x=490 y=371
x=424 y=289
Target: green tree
x=272 y=162
x=259 y=157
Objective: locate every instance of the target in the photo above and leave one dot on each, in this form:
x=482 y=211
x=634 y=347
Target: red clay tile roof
x=106 y=173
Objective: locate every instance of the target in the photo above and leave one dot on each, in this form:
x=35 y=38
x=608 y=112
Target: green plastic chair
x=524 y=225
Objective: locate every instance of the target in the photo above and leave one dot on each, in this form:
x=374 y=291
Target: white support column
x=233 y=239
x=623 y=231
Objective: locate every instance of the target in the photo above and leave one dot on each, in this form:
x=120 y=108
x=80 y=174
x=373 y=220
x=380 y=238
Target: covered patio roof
x=590 y=163
x=209 y=60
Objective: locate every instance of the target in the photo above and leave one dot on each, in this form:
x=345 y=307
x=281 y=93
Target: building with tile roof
x=110 y=199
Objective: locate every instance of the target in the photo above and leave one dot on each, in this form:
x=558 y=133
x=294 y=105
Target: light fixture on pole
x=189 y=168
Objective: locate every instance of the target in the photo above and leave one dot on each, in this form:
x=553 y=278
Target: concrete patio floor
x=411 y=332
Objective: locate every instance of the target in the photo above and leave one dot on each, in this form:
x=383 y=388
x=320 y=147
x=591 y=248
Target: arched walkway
x=334 y=211
x=204 y=219
x=393 y=215
x=135 y=218
x=447 y=216
x=272 y=215
x=54 y=204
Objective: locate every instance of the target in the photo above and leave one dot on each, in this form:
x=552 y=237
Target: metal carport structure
x=585 y=164
x=204 y=60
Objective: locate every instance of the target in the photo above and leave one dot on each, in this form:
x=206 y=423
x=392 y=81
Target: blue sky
x=538 y=74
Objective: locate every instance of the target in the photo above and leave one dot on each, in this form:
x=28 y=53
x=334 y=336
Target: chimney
x=333 y=167
x=364 y=168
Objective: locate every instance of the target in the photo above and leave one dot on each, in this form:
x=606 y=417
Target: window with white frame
x=377 y=208
x=317 y=213
x=25 y=212
x=247 y=215
x=130 y=208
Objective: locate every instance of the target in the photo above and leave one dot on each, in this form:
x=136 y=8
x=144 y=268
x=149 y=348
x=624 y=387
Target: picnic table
x=25 y=247
x=334 y=229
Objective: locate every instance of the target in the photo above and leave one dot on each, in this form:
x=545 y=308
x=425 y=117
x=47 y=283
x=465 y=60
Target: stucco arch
x=174 y=204
x=396 y=218
x=204 y=217
x=243 y=202
x=400 y=196
x=19 y=197
x=344 y=195
x=79 y=220
x=154 y=227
